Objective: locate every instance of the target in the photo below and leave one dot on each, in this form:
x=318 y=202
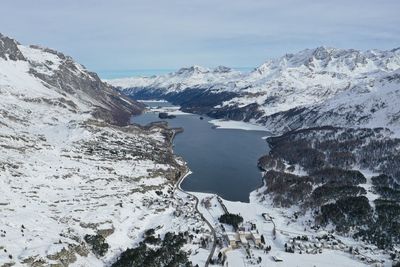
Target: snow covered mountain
x=76 y=187
x=333 y=165
x=42 y=67
x=314 y=87
x=184 y=78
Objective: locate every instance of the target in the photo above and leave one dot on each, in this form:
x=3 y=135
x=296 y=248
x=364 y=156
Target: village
x=258 y=241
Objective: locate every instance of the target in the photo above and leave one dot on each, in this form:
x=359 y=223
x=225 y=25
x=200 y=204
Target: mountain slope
x=372 y=103
x=76 y=188
x=194 y=76
x=294 y=91
x=43 y=67
x=333 y=165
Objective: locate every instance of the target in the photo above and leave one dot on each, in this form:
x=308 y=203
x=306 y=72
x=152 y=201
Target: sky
x=119 y=35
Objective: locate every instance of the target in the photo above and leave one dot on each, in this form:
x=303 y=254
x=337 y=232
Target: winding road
x=178 y=187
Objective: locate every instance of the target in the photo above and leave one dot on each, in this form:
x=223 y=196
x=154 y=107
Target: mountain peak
x=322 y=52
x=195 y=69
x=222 y=69
x=9 y=49
x=344 y=61
x=51 y=73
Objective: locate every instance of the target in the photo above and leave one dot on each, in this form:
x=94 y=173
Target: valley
x=293 y=163
x=332 y=169
x=79 y=186
x=310 y=88
x=287 y=206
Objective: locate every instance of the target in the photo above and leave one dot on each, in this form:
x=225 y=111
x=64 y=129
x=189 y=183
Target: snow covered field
x=230 y=124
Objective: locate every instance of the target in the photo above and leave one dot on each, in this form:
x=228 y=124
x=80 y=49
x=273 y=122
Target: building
x=243 y=237
x=277 y=258
x=243 y=234
x=232 y=239
x=255 y=237
x=243 y=240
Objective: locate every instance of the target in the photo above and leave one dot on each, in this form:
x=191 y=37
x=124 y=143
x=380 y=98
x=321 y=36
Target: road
x=222 y=205
x=214 y=246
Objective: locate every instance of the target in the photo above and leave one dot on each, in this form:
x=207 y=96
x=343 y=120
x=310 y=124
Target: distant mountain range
x=314 y=87
x=336 y=115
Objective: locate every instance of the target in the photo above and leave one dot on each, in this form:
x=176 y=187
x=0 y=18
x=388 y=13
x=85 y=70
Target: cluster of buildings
x=242 y=237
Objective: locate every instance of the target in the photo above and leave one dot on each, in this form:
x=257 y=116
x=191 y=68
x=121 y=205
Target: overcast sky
x=129 y=34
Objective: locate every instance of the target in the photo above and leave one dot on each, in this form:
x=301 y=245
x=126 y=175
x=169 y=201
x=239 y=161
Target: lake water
x=222 y=161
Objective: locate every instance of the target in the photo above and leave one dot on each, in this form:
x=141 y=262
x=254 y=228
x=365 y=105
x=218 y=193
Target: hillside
x=77 y=187
x=333 y=161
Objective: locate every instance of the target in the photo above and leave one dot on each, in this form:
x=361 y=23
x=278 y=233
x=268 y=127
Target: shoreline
x=152 y=101
x=237 y=125
x=177 y=186
x=217 y=124
x=185 y=171
x=277 y=232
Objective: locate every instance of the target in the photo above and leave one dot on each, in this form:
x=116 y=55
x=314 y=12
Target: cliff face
x=67 y=78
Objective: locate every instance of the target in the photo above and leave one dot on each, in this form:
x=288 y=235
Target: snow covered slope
x=68 y=169
x=319 y=179
x=312 y=87
x=182 y=79
x=45 y=68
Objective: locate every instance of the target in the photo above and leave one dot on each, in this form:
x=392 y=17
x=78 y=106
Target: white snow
x=286 y=227
x=59 y=178
x=55 y=187
x=179 y=80
x=330 y=84
x=229 y=124
x=171 y=110
x=37 y=56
